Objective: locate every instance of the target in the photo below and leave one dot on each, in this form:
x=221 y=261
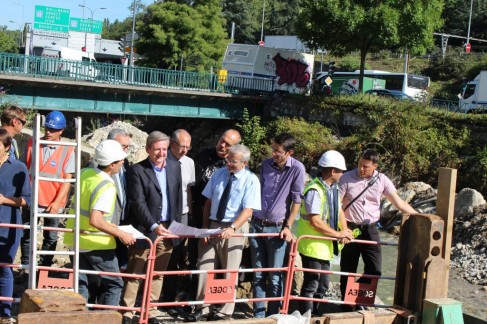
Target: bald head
x=229 y=138
x=180 y=143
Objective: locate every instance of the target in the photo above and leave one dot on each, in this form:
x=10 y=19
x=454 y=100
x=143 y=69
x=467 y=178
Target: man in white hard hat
x=98 y=195
x=321 y=215
x=361 y=190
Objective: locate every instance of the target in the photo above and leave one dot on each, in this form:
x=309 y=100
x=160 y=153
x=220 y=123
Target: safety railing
x=369 y=297
x=47 y=67
x=223 y=296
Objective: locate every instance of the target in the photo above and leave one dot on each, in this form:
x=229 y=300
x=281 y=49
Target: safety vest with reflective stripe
x=53 y=168
x=315 y=248
x=92 y=185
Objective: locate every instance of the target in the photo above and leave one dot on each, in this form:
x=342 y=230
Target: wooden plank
x=419 y=241
x=380 y=317
x=445 y=205
x=436 y=268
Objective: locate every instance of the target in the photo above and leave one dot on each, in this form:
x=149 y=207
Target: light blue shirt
x=162 y=179
x=312 y=200
x=245 y=192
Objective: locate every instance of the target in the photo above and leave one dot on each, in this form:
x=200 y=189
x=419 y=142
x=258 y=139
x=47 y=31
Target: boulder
x=81 y=317
x=465 y=202
x=51 y=300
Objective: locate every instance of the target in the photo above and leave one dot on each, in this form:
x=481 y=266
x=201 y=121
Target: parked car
x=394 y=94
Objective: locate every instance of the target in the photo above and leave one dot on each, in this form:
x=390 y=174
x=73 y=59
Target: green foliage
x=312 y=138
x=342 y=26
x=474 y=172
x=350 y=63
x=172 y=32
x=413 y=141
x=8 y=40
x=253 y=136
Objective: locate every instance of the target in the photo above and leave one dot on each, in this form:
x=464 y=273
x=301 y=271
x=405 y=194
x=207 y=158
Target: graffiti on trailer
x=291 y=71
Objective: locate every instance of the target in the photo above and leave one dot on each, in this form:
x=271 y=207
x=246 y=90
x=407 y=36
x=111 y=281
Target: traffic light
x=83 y=49
x=331 y=68
x=121 y=45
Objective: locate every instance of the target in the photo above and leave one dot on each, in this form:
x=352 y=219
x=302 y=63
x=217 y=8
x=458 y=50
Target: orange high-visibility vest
x=53 y=168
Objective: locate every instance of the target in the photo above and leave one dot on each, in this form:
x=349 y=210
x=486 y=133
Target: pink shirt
x=366 y=209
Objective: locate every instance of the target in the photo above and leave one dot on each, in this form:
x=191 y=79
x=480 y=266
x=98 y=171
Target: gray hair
x=117 y=132
x=176 y=133
x=154 y=137
x=240 y=149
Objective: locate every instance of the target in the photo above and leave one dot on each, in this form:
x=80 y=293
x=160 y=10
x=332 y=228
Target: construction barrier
x=218 y=291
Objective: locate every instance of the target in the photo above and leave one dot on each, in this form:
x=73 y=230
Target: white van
x=72 y=63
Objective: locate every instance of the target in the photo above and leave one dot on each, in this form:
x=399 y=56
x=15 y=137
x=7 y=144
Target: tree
x=172 y=33
x=8 y=41
x=343 y=26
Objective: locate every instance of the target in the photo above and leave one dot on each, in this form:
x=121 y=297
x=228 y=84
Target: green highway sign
x=51 y=15
x=85 y=25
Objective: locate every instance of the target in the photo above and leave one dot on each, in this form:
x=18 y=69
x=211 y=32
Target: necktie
x=222 y=206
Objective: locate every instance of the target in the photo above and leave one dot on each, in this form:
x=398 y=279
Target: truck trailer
x=474 y=95
x=265 y=69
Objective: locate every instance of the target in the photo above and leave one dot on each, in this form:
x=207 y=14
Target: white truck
x=68 y=62
x=474 y=96
x=265 y=69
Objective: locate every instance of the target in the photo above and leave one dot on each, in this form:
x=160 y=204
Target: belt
x=360 y=226
x=267 y=223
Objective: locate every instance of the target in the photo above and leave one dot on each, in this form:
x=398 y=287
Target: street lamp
x=469 y=22
x=92 y=13
x=21 y=5
x=20 y=32
x=262 y=26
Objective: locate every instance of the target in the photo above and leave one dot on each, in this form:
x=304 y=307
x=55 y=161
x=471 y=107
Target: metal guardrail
x=449 y=105
x=45 y=67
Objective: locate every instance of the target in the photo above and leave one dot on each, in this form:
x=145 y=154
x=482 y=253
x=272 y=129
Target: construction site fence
x=228 y=296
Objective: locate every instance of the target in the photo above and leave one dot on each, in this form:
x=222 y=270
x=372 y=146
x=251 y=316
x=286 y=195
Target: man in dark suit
x=155 y=199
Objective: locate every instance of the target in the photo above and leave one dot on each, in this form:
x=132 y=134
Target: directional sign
x=85 y=25
x=468 y=47
x=51 y=18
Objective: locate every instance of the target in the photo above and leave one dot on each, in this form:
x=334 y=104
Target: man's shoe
x=126 y=320
x=172 y=312
x=153 y=320
x=219 y=317
x=196 y=316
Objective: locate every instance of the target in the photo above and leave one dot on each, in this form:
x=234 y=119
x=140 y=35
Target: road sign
x=85 y=25
x=328 y=81
x=261 y=43
x=51 y=18
x=468 y=47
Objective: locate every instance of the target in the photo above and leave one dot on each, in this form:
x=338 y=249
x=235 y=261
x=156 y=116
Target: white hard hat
x=109 y=151
x=332 y=159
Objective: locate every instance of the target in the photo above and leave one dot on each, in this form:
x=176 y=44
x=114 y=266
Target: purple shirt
x=280 y=188
x=366 y=209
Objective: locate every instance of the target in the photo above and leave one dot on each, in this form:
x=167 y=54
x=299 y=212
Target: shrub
x=312 y=138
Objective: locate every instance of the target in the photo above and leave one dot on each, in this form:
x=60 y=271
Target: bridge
x=48 y=83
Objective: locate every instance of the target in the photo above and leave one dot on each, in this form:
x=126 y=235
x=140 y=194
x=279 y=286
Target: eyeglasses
x=22 y=121
x=277 y=152
x=232 y=162
x=183 y=147
x=125 y=147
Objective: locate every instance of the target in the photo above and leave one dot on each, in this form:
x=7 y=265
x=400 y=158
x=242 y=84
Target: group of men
x=216 y=190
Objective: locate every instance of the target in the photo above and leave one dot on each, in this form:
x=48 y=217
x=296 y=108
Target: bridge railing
x=47 y=67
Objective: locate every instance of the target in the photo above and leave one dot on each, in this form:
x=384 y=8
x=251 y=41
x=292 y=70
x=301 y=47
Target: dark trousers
x=172 y=284
x=48 y=244
x=371 y=255
x=7 y=255
x=315 y=285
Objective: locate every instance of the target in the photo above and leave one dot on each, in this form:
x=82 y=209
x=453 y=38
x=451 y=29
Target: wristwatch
x=233 y=227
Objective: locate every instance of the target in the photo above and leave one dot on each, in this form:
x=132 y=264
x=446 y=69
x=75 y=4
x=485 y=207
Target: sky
x=22 y=11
